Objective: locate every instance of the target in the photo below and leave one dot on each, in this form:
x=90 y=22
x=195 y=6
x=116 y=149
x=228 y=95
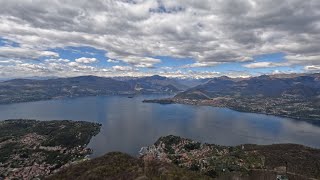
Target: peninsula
x=295 y=96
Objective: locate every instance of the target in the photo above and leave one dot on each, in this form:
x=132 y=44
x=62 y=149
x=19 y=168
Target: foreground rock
x=30 y=148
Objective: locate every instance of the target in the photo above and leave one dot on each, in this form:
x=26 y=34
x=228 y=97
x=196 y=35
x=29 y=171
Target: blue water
x=129 y=124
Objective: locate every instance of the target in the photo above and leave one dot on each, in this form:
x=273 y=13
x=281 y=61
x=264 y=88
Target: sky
x=173 y=38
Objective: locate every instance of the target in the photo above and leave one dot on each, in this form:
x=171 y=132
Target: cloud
x=202 y=64
x=303 y=59
x=136 y=32
x=312 y=68
x=10 y=61
x=25 y=53
x=58 y=69
x=290 y=60
x=112 y=61
x=123 y=68
x=57 y=60
x=142 y=62
x=86 y=60
x=265 y=64
x=73 y=64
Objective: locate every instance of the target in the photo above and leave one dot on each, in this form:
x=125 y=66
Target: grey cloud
x=209 y=31
x=199 y=64
x=25 y=53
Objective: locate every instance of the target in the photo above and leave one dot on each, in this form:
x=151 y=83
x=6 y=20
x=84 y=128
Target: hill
x=24 y=90
x=305 y=86
x=243 y=161
x=173 y=157
x=118 y=165
x=296 y=96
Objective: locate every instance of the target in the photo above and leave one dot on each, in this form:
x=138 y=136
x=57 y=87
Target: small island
x=31 y=148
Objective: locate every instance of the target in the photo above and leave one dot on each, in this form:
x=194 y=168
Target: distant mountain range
x=23 y=90
x=305 y=86
x=155 y=84
x=295 y=96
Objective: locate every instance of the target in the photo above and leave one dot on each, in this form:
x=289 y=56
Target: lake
x=128 y=124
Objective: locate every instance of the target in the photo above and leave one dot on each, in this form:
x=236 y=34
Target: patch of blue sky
x=274 y=57
x=162 y=9
x=7 y=42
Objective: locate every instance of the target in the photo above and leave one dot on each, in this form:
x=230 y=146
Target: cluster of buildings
x=207 y=158
x=34 y=160
x=283 y=106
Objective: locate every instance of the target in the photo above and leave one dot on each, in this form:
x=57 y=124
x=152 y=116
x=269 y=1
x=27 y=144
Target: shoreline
x=196 y=103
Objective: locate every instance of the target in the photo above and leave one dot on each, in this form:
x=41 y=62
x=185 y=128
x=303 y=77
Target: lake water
x=128 y=124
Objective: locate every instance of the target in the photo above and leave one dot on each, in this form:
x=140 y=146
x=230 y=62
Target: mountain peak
x=158 y=77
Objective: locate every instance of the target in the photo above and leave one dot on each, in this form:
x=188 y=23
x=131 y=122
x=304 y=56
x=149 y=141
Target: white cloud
x=312 y=68
x=123 y=68
x=86 y=60
x=202 y=64
x=57 y=60
x=265 y=64
x=112 y=61
x=73 y=64
x=10 y=61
